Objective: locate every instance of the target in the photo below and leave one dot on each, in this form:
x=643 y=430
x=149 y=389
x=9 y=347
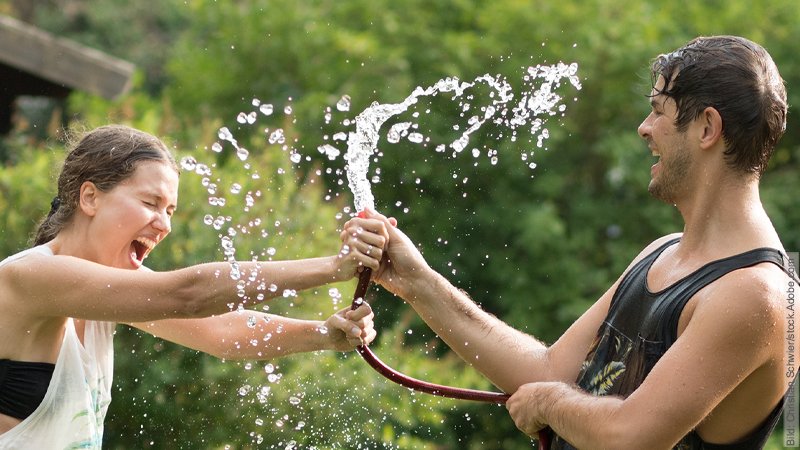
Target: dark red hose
x=424 y=386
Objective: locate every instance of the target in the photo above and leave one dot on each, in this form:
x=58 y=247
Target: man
x=685 y=350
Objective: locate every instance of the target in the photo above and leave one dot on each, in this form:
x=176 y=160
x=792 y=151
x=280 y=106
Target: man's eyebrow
x=653 y=102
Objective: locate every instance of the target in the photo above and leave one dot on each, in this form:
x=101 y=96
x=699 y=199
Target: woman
x=61 y=299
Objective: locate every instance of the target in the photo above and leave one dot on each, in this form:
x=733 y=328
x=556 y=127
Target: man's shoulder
x=756 y=291
x=661 y=241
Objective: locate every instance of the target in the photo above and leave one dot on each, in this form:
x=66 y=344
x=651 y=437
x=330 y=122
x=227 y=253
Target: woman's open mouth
x=140 y=248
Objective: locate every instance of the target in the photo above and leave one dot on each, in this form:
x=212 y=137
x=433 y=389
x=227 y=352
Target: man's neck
x=726 y=218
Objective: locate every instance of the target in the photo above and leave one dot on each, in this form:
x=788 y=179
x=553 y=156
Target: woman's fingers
x=356 y=325
x=361 y=319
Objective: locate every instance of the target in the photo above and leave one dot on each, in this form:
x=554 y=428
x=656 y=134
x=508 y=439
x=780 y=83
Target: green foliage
x=536 y=247
x=26 y=183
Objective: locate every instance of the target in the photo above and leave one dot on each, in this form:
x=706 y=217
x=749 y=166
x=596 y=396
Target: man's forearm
x=585 y=421
x=508 y=357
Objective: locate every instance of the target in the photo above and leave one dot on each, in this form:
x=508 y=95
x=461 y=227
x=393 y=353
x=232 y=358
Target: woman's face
x=134 y=216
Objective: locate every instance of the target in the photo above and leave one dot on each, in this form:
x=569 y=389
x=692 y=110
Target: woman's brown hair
x=105 y=156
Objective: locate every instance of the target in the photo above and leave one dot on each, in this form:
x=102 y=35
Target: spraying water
x=529 y=109
x=539 y=100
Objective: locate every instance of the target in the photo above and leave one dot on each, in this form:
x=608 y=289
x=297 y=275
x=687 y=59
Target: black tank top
x=642 y=325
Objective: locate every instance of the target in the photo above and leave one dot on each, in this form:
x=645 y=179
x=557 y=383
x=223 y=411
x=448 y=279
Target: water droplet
x=277 y=137
x=344 y=103
x=225 y=134
x=329 y=150
x=202 y=169
x=216 y=147
x=266 y=109
x=188 y=163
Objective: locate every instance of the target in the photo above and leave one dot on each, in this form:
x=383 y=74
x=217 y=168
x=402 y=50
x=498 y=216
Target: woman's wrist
x=335 y=270
x=320 y=336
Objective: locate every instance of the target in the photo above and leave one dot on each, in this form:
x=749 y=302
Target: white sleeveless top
x=74 y=407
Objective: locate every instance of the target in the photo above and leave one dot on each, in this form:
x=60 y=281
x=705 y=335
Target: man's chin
x=658 y=193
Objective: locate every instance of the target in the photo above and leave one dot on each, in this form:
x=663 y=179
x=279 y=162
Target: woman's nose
x=163 y=222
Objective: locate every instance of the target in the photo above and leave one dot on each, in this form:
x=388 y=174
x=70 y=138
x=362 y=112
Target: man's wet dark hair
x=736 y=77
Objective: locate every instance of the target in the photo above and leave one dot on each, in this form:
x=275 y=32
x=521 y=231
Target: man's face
x=670 y=174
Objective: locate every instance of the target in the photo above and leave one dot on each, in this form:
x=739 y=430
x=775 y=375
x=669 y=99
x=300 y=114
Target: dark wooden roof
x=34 y=62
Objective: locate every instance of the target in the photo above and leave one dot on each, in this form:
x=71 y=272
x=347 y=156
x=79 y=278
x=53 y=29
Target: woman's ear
x=87 y=201
x=711 y=123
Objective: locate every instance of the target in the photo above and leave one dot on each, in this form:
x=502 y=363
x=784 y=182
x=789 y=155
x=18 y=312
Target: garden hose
x=424 y=386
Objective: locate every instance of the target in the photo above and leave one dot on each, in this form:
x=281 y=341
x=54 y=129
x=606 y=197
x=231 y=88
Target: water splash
x=537 y=100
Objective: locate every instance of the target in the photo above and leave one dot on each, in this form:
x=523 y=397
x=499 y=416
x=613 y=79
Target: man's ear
x=88 y=199
x=711 y=123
